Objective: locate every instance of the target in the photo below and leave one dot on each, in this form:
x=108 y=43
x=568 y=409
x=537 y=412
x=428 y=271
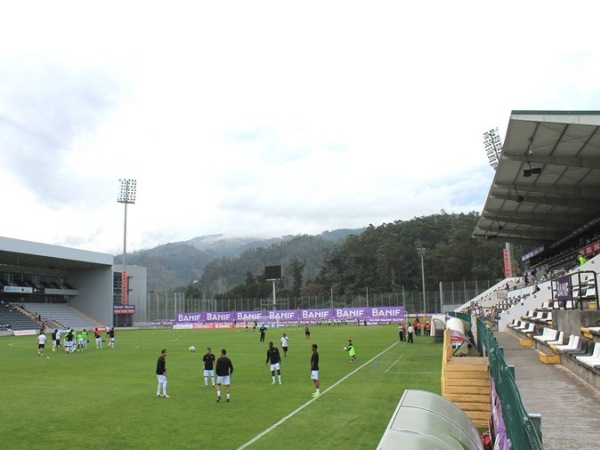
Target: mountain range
x=175 y=265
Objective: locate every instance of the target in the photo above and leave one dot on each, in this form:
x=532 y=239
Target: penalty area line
x=300 y=408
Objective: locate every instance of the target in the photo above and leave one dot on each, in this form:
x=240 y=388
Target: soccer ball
x=345 y=349
x=192 y=348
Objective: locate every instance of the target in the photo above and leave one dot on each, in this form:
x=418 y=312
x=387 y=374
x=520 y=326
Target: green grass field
x=107 y=398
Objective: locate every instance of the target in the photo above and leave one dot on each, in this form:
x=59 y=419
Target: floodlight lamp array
x=128 y=191
x=493 y=146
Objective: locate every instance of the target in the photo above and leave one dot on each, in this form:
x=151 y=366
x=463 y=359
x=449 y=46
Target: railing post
x=536 y=421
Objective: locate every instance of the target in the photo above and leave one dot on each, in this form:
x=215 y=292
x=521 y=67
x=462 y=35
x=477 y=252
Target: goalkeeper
x=351 y=351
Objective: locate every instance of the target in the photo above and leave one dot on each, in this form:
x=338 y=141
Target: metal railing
x=523 y=429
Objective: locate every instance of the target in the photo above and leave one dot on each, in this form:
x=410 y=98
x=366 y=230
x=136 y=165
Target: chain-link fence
x=165 y=306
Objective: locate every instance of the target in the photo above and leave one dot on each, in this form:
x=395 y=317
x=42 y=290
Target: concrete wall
x=571 y=321
x=95 y=294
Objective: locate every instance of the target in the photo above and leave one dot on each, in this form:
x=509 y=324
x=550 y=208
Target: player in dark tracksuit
x=224 y=369
x=274 y=358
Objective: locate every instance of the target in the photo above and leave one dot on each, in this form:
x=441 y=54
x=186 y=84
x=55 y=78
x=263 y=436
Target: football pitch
x=107 y=398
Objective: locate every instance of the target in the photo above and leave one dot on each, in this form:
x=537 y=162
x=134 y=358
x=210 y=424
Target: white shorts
x=314 y=374
x=224 y=380
x=209 y=373
x=275 y=366
x=161 y=378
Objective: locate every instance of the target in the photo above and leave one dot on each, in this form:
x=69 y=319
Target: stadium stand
x=573 y=344
x=548 y=334
x=593 y=359
x=545 y=196
x=560 y=339
x=61 y=313
x=12 y=318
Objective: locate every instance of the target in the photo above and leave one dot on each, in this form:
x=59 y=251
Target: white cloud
x=265 y=118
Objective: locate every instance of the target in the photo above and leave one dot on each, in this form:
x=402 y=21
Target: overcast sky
x=264 y=119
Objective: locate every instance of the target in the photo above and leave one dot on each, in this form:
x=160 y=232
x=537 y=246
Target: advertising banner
x=369 y=314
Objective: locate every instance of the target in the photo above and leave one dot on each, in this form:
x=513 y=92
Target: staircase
x=466 y=383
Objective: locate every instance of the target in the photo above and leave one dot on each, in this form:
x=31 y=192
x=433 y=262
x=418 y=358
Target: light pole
x=127 y=197
x=421 y=251
x=493 y=146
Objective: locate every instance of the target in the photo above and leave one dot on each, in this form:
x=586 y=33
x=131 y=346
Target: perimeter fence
x=161 y=306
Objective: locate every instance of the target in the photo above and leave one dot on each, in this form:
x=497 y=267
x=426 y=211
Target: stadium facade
x=32 y=272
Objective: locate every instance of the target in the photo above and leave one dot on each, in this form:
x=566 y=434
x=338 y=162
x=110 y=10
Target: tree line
x=381 y=258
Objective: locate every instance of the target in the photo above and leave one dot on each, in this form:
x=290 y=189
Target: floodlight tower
x=493 y=146
x=421 y=251
x=127 y=197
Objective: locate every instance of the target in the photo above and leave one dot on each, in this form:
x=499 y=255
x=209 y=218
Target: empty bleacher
x=61 y=313
x=13 y=319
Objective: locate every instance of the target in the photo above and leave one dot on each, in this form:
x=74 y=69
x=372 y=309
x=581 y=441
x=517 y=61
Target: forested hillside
x=382 y=258
x=178 y=265
x=226 y=273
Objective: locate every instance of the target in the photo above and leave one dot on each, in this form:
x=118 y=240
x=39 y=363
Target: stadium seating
x=12 y=318
x=593 y=359
x=585 y=347
x=558 y=341
x=573 y=344
x=549 y=334
x=61 y=313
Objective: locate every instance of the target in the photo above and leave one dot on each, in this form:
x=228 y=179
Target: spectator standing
x=208 y=366
x=314 y=370
x=410 y=332
x=581 y=259
x=274 y=358
x=401 y=331
x=224 y=371
x=41 y=344
x=284 y=344
x=417 y=327
x=161 y=374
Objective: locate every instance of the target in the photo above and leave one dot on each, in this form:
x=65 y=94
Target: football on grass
x=192 y=348
x=345 y=349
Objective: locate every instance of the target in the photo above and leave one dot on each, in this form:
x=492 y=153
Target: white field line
x=394 y=363
x=300 y=408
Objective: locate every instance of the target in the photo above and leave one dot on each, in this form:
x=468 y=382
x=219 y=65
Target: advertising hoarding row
x=382 y=314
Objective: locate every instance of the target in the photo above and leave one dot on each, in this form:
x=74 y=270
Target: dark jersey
x=111 y=333
x=209 y=361
x=314 y=361
x=273 y=355
x=161 y=365
x=224 y=366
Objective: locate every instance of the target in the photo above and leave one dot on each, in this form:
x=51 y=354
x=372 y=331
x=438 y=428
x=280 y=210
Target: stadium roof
x=547 y=182
x=18 y=253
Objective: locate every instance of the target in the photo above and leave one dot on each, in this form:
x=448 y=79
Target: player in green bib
x=351 y=351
